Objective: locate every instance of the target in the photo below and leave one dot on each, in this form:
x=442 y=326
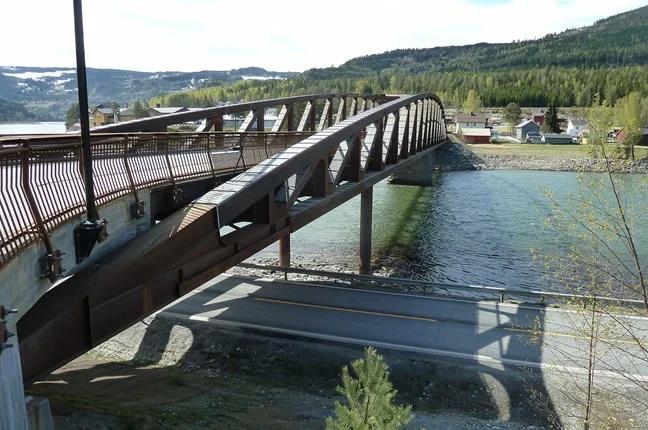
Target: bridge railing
x=479 y=292
x=41 y=184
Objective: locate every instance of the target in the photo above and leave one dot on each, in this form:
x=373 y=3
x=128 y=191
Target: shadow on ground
x=170 y=373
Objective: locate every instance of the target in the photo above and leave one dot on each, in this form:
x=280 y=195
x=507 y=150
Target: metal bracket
x=137 y=210
x=177 y=195
x=86 y=235
x=52 y=268
x=4 y=333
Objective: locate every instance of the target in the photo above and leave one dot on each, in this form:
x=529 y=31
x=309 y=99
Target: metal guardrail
x=502 y=294
x=41 y=181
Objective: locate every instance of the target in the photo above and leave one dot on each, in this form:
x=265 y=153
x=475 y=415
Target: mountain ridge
x=48 y=91
x=618 y=40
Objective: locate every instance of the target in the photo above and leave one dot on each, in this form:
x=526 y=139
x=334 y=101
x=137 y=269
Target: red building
x=476 y=135
x=539 y=119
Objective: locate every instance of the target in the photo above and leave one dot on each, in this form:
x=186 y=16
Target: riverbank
x=556 y=158
x=170 y=373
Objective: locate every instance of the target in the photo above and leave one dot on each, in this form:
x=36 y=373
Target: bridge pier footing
x=420 y=173
x=12 y=395
x=366 y=209
x=284 y=252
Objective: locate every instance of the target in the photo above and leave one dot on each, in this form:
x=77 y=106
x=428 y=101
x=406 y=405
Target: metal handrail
x=501 y=292
x=200 y=114
x=41 y=184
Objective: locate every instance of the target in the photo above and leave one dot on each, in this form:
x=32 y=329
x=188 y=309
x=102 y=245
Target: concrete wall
x=420 y=173
x=21 y=285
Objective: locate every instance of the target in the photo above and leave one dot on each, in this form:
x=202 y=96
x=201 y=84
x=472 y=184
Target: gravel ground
x=459 y=157
x=167 y=373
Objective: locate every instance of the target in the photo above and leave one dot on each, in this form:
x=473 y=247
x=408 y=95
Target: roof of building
x=476 y=131
x=578 y=122
x=523 y=123
x=105 y=111
x=470 y=118
x=557 y=136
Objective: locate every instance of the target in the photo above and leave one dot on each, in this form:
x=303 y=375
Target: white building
x=470 y=121
x=576 y=126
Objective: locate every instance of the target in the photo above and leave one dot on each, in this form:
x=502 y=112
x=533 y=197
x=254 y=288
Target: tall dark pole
x=82 y=84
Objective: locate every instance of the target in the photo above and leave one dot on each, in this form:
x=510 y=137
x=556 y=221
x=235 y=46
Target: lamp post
x=93 y=230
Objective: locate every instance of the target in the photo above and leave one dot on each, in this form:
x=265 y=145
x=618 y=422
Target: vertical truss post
x=428 y=125
x=290 y=117
x=218 y=122
x=403 y=132
x=353 y=109
x=392 y=133
x=420 y=142
x=260 y=120
x=312 y=126
x=341 y=113
x=414 y=128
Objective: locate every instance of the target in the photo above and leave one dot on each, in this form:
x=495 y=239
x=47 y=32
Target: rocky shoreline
x=459 y=157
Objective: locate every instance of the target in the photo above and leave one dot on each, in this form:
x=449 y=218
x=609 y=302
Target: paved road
x=487 y=332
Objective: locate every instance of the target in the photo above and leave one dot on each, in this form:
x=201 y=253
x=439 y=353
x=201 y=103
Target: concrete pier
x=12 y=396
x=284 y=251
x=22 y=284
x=420 y=173
x=366 y=215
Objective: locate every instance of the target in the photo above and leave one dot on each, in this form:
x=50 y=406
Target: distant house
x=525 y=128
x=643 y=140
x=557 y=139
x=476 y=135
x=155 y=111
x=127 y=114
x=538 y=119
x=102 y=116
x=470 y=121
x=576 y=126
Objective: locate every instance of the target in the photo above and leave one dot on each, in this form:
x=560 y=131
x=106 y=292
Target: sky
x=279 y=35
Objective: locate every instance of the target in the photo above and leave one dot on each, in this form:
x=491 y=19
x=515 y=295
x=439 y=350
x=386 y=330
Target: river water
x=32 y=127
x=472 y=227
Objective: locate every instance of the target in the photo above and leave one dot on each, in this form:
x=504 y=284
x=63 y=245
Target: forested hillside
x=618 y=41
x=609 y=58
x=14 y=112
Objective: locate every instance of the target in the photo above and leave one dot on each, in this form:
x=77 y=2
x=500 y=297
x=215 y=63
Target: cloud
x=156 y=35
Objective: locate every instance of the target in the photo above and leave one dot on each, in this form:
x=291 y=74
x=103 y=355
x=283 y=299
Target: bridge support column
x=366 y=209
x=420 y=173
x=12 y=396
x=284 y=252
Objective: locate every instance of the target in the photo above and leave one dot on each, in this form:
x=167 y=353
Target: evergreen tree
x=72 y=116
x=369 y=398
x=140 y=110
x=512 y=114
x=551 y=124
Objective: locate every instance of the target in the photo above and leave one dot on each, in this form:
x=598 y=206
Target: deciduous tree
x=473 y=103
